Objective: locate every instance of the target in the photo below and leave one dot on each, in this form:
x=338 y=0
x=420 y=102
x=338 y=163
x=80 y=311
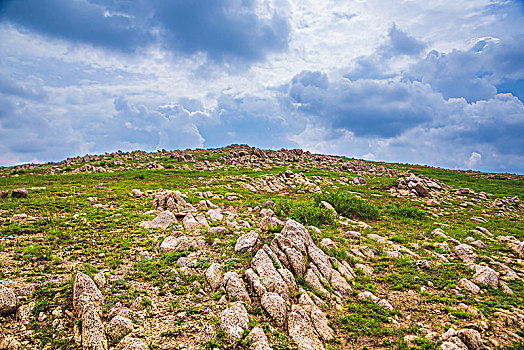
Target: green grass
x=349 y=205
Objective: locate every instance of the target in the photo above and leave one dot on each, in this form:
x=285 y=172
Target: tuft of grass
x=349 y=205
x=405 y=211
x=305 y=212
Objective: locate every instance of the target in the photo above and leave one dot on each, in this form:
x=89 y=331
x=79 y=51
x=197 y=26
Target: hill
x=242 y=248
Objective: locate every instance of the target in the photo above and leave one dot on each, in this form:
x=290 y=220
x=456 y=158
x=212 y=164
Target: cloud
x=223 y=30
x=383 y=108
x=400 y=43
x=78 y=21
x=473 y=73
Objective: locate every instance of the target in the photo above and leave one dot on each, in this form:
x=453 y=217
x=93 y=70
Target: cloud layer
x=377 y=80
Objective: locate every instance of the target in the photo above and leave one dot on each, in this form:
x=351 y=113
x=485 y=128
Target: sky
x=428 y=82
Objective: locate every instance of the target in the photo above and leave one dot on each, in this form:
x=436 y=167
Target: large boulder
x=258 y=339
x=486 y=276
x=162 y=221
x=93 y=336
x=214 y=276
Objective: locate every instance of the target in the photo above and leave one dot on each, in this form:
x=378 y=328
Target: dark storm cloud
x=223 y=30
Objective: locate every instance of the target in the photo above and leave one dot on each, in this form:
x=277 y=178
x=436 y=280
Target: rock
x=487 y=277
x=484 y=231
x=215 y=215
x=275 y=306
x=219 y=230
x=313 y=281
x=469 y=286
x=85 y=290
x=131 y=343
x=368 y=253
x=137 y=193
x=465 y=253
x=162 y=221
x=447 y=345
x=368 y=296
x=505 y=288
x=8 y=301
x=254 y=280
x=10 y=343
x=246 y=242
x=175 y=242
x=478 y=244
x=93 y=336
x=328 y=244
x=269 y=223
x=192 y=222
x=471 y=338
x=119 y=326
x=419 y=188
x=258 y=339
x=100 y=280
x=235 y=287
x=234 y=321
x=269 y=277
x=19 y=193
x=214 y=276
x=308 y=325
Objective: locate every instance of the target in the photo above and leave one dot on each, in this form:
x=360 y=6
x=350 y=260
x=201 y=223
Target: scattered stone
x=85 y=291
x=119 y=326
x=486 y=276
x=246 y=242
x=100 y=280
x=234 y=321
x=8 y=301
x=131 y=343
x=275 y=306
x=471 y=338
x=465 y=253
x=19 y=193
x=93 y=336
x=328 y=244
x=235 y=287
x=214 y=276
x=469 y=286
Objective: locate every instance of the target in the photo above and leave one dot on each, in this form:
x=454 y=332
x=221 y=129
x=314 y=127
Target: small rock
x=258 y=339
x=214 y=276
x=275 y=306
x=130 y=343
x=234 y=321
x=487 y=277
x=246 y=242
x=328 y=244
x=162 y=221
x=19 y=193
x=469 y=286
x=119 y=326
x=471 y=338
x=100 y=280
x=465 y=253
x=8 y=301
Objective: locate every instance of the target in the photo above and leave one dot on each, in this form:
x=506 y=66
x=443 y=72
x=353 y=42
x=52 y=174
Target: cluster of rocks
x=418 y=186
x=87 y=304
x=272 y=276
x=280 y=182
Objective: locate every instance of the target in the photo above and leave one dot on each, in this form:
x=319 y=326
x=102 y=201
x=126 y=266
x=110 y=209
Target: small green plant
x=305 y=212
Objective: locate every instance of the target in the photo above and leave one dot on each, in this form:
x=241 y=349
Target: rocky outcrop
x=246 y=242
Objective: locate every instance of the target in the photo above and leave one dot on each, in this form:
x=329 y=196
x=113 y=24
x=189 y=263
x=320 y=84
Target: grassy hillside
x=398 y=241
